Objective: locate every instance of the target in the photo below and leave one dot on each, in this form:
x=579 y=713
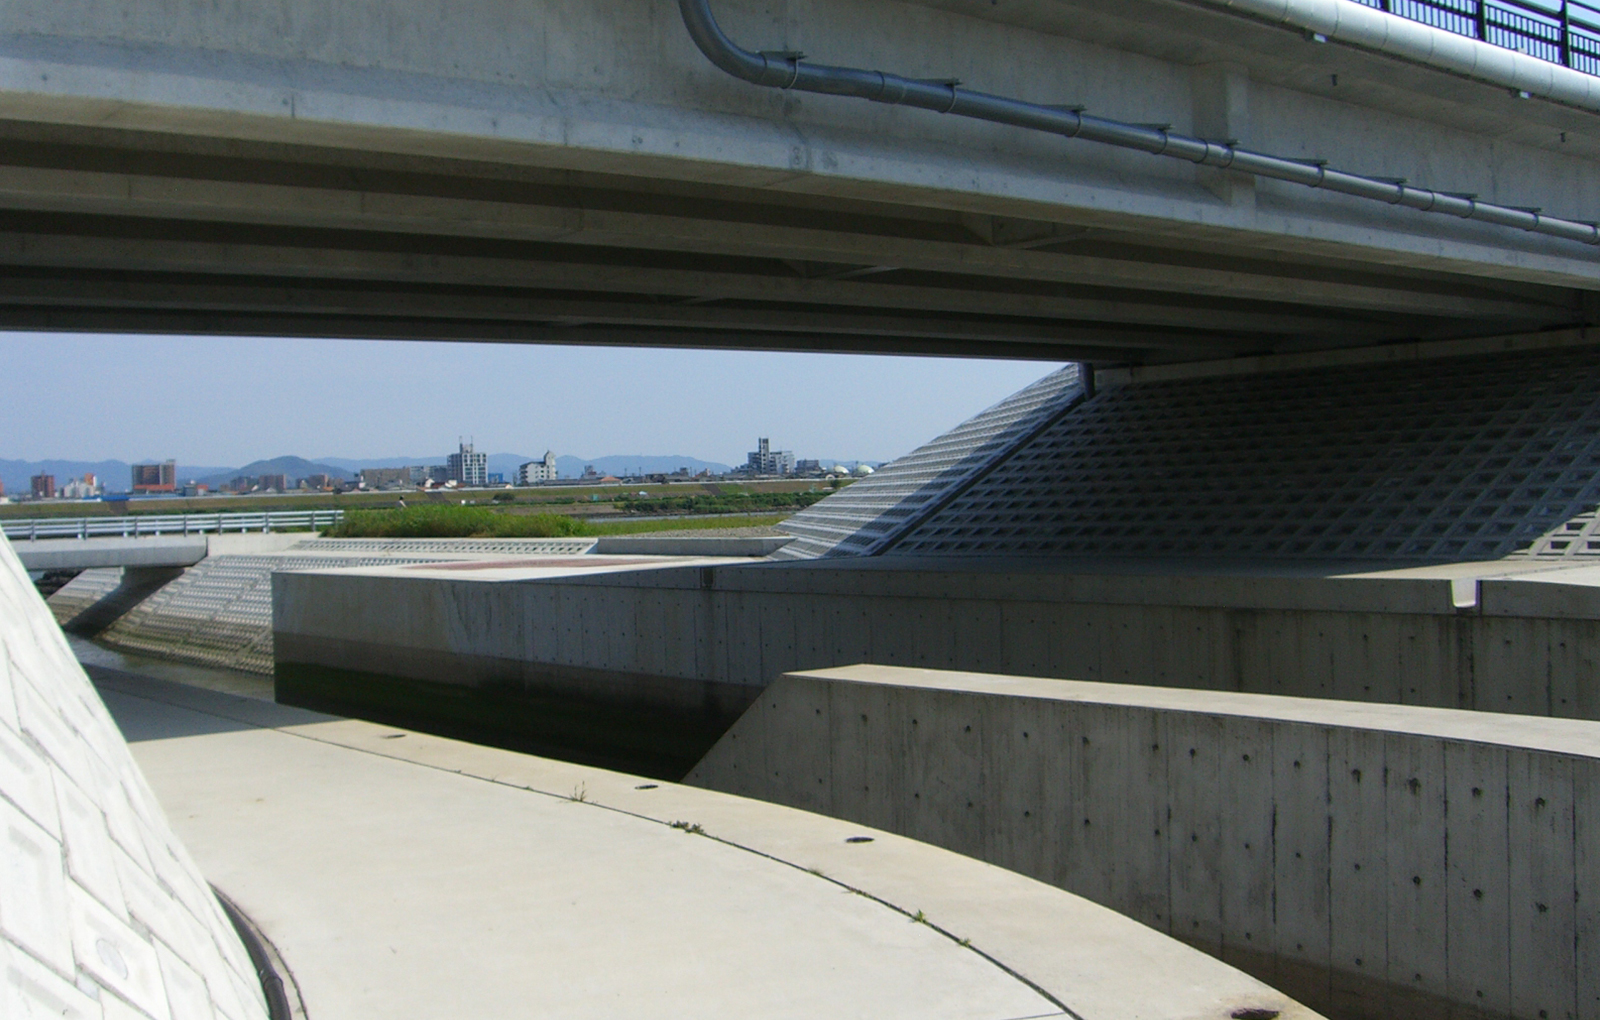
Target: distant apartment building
x=156 y=477
x=275 y=483
x=536 y=471
x=86 y=487
x=390 y=478
x=321 y=481
x=241 y=483
x=468 y=469
x=808 y=468
x=43 y=486
x=764 y=460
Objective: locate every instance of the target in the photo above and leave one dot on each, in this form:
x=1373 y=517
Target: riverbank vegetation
x=447 y=521
x=456 y=521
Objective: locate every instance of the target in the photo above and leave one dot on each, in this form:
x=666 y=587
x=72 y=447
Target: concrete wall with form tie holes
x=1372 y=861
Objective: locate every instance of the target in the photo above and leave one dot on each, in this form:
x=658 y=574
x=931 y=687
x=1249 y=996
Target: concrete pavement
x=403 y=875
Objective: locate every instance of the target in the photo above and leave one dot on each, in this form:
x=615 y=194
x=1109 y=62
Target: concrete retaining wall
x=1513 y=645
x=102 y=912
x=1372 y=861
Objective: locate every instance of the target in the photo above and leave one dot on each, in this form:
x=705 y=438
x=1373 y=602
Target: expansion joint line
x=788 y=70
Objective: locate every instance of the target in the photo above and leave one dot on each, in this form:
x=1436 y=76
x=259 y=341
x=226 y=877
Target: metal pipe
x=785 y=70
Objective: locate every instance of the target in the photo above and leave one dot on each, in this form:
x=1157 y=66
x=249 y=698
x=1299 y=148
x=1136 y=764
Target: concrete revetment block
x=102 y=915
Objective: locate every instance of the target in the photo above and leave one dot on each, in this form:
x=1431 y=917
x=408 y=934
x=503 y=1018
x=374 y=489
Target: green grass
x=455 y=522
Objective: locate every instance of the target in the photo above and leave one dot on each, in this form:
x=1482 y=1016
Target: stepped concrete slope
x=406 y=876
x=102 y=911
x=1375 y=861
x=219 y=613
x=578 y=171
x=861 y=518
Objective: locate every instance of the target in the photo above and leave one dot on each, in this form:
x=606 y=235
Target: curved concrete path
x=403 y=875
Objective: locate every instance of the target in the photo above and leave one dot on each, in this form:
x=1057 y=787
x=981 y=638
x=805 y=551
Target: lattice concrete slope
x=859 y=519
x=102 y=913
x=1454 y=459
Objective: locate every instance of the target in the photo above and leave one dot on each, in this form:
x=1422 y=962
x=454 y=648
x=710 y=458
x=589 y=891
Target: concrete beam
x=89 y=553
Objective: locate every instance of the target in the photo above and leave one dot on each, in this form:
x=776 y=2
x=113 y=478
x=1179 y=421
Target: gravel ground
x=760 y=531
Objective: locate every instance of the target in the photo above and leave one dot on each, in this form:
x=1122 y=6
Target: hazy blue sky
x=225 y=402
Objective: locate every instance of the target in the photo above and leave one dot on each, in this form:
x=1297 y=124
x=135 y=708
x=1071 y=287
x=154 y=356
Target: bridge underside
x=579 y=173
x=139 y=232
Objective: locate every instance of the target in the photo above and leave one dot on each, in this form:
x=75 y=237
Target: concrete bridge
x=100 y=553
x=578 y=172
x=1334 y=444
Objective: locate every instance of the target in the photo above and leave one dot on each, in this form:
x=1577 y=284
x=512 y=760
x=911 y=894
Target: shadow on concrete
x=146 y=708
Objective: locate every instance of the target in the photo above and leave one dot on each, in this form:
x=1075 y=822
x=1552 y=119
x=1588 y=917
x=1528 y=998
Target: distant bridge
x=142 y=542
x=134 y=526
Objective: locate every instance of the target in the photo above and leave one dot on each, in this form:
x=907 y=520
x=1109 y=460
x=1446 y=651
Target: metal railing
x=34 y=528
x=1560 y=31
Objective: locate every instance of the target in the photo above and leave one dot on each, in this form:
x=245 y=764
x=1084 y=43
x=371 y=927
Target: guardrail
x=1560 y=31
x=34 y=528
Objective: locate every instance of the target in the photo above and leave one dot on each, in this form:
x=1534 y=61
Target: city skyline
x=231 y=401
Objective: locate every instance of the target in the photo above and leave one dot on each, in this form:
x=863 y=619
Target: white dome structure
x=863 y=470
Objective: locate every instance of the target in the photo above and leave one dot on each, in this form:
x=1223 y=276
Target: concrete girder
x=368 y=327
x=58 y=190
x=383 y=304
x=152 y=290
x=323 y=261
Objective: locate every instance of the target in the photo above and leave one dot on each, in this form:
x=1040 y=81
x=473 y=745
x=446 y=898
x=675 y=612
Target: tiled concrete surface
x=403 y=875
x=102 y=912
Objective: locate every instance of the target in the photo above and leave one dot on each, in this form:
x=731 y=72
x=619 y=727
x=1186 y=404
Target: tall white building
x=468 y=469
x=536 y=471
x=764 y=460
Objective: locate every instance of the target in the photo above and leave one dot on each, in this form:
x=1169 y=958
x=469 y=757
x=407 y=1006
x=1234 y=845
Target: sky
x=228 y=401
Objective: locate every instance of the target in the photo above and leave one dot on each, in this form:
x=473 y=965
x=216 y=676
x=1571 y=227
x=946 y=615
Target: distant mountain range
x=292 y=468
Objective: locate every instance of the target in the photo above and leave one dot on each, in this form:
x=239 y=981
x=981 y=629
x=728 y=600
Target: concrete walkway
x=402 y=875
